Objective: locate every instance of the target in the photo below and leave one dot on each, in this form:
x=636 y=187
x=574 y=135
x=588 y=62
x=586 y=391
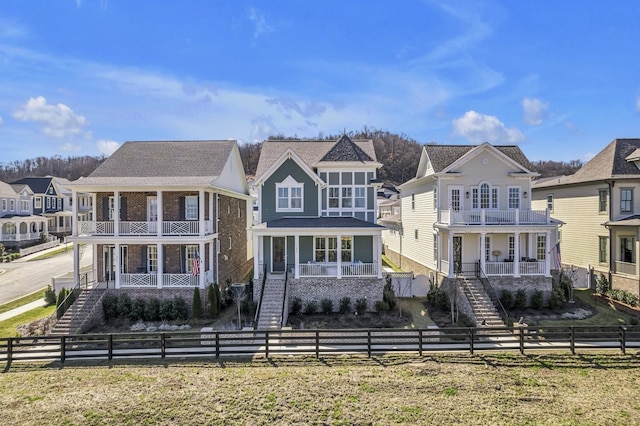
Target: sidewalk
x=22 y=309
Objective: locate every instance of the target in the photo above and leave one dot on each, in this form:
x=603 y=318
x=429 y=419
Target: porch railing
x=138 y=280
x=533 y=268
x=330 y=269
x=494 y=217
x=179 y=280
x=359 y=269
x=625 y=268
x=183 y=227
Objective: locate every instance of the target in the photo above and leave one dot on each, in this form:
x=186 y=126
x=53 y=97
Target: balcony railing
x=494 y=217
x=184 y=227
x=330 y=269
x=20 y=237
x=138 y=280
x=151 y=280
x=508 y=268
x=625 y=267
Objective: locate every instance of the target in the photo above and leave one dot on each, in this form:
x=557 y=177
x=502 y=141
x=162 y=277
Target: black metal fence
x=218 y=344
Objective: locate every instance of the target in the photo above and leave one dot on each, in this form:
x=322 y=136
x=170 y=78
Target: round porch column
x=450 y=254
x=483 y=251
x=160 y=254
x=201 y=275
x=516 y=254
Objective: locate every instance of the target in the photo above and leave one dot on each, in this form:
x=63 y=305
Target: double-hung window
x=541 y=247
x=603 y=243
x=627 y=250
x=326 y=249
x=514 y=197
x=4 y=205
x=360 y=197
x=626 y=200
x=334 y=197
x=602 y=200
x=289 y=196
x=152 y=259
x=191 y=207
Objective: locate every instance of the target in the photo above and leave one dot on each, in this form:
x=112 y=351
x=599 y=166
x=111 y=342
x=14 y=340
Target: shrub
x=388 y=295
x=345 y=305
x=296 y=306
x=248 y=307
x=152 y=309
x=173 y=309
x=124 y=306
x=361 y=306
x=326 y=306
x=62 y=295
x=556 y=300
x=311 y=307
x=506 y=298
x=602 y=285
x=437 y=298
x=50 y=296
x=109 y=307
x=180 y=308
x=537 y=299
x=521 y=299
x=213 y=299
x=137 y=309
x=196 y=304
x=381 y=306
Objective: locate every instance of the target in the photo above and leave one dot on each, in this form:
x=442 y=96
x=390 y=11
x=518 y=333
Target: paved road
x=22 y=277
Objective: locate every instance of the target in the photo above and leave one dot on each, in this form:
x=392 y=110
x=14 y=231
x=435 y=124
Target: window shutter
x=105 y=208
x=183 y=259
x=123 y=208
x=181 y=207
x=143 y=259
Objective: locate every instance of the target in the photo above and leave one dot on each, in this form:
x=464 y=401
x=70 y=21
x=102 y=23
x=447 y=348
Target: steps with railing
x=483 y=308
x=271 y=304
x=87 y=301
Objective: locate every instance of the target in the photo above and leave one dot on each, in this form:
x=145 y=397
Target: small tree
x=602 y=285
x=60 y=302
x=49 y=296
x=196 y=307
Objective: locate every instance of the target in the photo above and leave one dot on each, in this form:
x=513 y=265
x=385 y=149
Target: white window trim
x=290 y=183
x=38 y=203
x=12 y=205
x=187 y=216
x=4 y=204
x=509 y=188
x=476 y=197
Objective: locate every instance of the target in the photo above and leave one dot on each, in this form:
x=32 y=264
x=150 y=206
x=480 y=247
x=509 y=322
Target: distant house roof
x=320 y=222
x=163 y=162
x=38 y=185
x=442 y=156
x=315 y=152
x=7 y=189
x=615 y=161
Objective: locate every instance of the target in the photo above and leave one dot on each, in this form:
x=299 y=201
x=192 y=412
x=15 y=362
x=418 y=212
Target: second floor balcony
x=494 y=217
x=140 y=228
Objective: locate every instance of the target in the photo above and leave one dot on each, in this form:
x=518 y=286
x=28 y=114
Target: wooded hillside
x=70 y=168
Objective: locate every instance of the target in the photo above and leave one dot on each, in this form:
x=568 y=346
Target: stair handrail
x=285 y=300
x=463 y=281
x=264 y=280
x=486 y=284
x=78 y=309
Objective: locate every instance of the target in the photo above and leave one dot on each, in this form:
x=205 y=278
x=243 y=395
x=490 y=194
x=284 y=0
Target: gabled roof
x=7 y=190
x=162 y=163
x=615 y=161
x=313 y=152
x=38 y=185
x=442 y=156
x=19 y=187
x=289 y=154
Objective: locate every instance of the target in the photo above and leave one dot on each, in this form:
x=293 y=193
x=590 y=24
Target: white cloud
x=307 y=110
x=1 y=120
x=57 y=120
x=534 y=111
x=480 y=128
x=260 y=22
x=11 y=29
x=107 y=147
x=69 y=147
x=638 y=103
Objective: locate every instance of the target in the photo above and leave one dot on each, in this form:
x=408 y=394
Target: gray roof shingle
x=320 y=222
x=169 y=162
x=311 y=152
x=442 y=156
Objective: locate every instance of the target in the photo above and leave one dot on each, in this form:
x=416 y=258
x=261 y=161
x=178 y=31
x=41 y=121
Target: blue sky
x=560 y=79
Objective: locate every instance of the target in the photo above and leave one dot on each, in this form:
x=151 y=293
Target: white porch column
x=160 y=250
x=212 y=217
x=212 y=250
x=339 y=259
x=547 y=260
x=256 y=257
x=116 y=213
x=94 y=268
x=201 y=212
x=483 y=249
x=201 y=275
x=116 y=254
x=74 y=213
x=94 y=201
x=160 y=212
x=377 y=241
x=516 y=254
x=296 y=240
x=450 y=254
x=76 y=264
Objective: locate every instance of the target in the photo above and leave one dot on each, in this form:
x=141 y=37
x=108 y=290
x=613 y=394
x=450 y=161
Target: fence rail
x=314 y=342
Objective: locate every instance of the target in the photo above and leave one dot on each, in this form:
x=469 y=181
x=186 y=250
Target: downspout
x=217 y=247
x=611 y=184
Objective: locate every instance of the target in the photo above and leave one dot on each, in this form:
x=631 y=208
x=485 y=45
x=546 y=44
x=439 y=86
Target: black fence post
x=9 y=353
x=63 y=348
x=420 y=342
x=163 y=347
x=110 y=347
x=623 y=339
x=266 y=343
x=217 y=344
x=572 y=340
x=369 y=343
x=317 y=344
x=471 y=339
x=521 y=338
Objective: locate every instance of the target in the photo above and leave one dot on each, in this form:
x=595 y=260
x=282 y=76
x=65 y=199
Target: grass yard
x=505 y=389
x=8 y=327
x=37 y=295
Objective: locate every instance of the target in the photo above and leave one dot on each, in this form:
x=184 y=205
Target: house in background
x=167 y=216
x=467 y=213
x=48 y=201
x=317 y=235
x=18 y=225
x=600 y=206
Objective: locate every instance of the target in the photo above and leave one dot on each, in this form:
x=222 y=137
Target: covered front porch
x=313 y=251
x=22 y=228
x=495 y=254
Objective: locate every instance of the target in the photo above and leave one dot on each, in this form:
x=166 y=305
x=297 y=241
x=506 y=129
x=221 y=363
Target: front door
x=279 y=254
x=109 y=263
x=457 y=255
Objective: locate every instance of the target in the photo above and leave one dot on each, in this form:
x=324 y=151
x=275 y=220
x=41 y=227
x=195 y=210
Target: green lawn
x=36 y=295
x=8 y=327
x=64 y=249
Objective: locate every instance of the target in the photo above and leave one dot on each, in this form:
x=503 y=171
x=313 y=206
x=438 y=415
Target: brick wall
x=234 y=265
x=625 y=283
x=316 y=289
x=528 y=284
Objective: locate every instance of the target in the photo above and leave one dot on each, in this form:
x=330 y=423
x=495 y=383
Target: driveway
x=24 y=276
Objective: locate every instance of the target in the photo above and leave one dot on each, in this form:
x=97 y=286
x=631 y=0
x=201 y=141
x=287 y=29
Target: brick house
x=166 y=216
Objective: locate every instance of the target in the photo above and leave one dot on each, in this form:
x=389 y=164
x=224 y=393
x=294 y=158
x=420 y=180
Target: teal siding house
x=317 y=225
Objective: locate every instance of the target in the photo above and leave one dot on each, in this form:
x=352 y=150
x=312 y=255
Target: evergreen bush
x=109 y=307
x=381 y=306
x=537 y=299
x=310 y=308
x=521 y=299
x=506 y=298
x=152 y=309
x=138 y=306
x=50 y=296
x=361 y=306
x=388 y=295
x=557 y=299
x=196 y=308
x=124 y=305
x=326 y=306
x=345 y=305
x=296 y=306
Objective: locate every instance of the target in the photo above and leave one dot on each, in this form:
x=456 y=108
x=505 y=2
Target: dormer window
x=289 y=195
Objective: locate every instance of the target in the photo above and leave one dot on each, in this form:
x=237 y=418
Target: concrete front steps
x=271 y=307
x=72 y=320
x=481 y=304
